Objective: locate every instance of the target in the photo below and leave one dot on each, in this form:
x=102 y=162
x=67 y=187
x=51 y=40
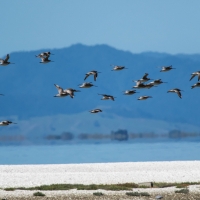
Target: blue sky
x=134 y=25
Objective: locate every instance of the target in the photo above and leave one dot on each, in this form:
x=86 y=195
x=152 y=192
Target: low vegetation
x=178 y=185
x=98 y=194
x=138 y=194
x=145 y=194
x=40 y=194
x=113 y=187
x=9 y=189
x=183 y=191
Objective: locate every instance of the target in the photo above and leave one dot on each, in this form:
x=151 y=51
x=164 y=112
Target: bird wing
x=71 y=95
x=112 y=98
x=198 y=76
x=145 y=75
x=95 y=76
x=193 y=75
x=7 y=57
x=179 y=94
x=86 y=76
x=60 y=90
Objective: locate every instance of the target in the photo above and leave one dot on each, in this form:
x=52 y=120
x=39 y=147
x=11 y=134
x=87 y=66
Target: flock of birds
x=140 y=83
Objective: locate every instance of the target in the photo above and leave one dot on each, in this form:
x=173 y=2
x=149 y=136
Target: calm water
x=92 y=153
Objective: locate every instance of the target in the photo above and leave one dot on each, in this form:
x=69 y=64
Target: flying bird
x=6 y=123
x=118 y=68
x=130 y=92
x=157 y=82
x=195 y=85
x=177 y=91
x=166 y=68
x=61 y=92
x=144 y=97
x=107 y=97
x=4 y=62
x=95 y=111
x=94 y=73
x=86 y=85
x=195 y=74
x=44 y=54
x=45 y=60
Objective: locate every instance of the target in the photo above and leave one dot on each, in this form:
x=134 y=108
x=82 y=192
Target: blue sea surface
x=99 y=153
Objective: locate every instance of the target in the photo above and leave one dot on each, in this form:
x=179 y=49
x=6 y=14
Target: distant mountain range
x=29 y=88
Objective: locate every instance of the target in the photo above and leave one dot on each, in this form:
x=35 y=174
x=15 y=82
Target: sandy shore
x=104 y=173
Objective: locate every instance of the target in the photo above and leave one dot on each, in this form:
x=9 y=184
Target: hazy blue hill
x=29 y=86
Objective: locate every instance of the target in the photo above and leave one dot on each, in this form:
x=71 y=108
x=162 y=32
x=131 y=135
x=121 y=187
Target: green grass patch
x=163 y=185
x=9 y=189
x=135 y=194
x=38 y=194
x=98 y=194
x=178 y=185
x=138 y=194
x=145 y=194
x=143 y=186
x=112 y=187
x=115 y=187
x=182 y=185
x=183 y=191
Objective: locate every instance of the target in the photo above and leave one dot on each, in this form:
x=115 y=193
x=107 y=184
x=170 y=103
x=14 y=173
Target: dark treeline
x=123 y=135
x=119 y=135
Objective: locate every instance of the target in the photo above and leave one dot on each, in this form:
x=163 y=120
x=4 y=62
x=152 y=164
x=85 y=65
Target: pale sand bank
x=103 y=173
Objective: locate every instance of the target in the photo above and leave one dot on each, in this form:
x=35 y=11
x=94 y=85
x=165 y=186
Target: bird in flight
x=6 y=123
x=166 y=68
x=195 y=74
x=86 y=85
x=144 y=97
x=195 y=85
x=177 y=91
x=45 y=60
x=118 y=68
x=94 y=73
x=130 y=92
x=61 y=92
x=4 y=62
x=44 y=54
x=95 y=111
x=107 y=97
